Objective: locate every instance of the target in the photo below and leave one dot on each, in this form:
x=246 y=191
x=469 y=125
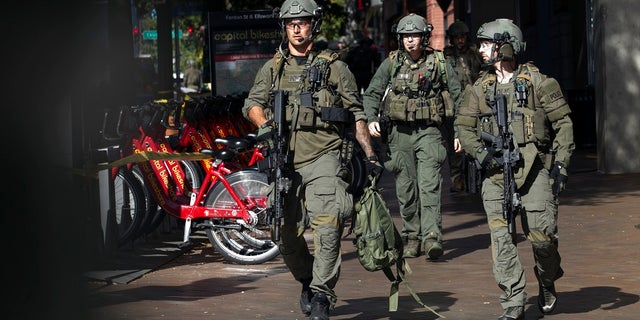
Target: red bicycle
x=229 y=205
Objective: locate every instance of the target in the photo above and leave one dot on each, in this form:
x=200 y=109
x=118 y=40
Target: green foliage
x=190 y=45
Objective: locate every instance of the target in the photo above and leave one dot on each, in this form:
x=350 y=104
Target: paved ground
x=599 y=236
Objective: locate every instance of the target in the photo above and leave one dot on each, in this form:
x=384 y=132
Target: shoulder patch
x=328 y=55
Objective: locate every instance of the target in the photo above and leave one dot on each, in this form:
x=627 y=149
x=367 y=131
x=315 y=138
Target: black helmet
x=413 y=23
x=506 y=35
x=458 y=28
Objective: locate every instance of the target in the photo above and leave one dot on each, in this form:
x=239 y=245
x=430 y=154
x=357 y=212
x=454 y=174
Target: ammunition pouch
x=409 y=108
x=306 y=118
x=449 y=104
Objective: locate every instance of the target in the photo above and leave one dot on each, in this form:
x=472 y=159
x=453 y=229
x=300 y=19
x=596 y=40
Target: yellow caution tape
x=151 y=155
x=144 y=156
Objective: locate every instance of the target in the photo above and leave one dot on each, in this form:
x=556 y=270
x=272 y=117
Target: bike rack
x=107 y=202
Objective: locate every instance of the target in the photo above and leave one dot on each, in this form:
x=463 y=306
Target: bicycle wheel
x=193 y=176
x=240 y=243
x=151 y=203
x=130 y=209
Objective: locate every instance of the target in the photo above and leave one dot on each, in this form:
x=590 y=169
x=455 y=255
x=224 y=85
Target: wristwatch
x=373 y=158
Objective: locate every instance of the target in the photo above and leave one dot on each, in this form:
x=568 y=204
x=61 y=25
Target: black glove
x=558 y=177
x=374 y=169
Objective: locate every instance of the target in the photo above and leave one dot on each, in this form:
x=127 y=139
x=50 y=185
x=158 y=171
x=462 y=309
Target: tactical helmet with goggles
x=411 y=24
x=506 y=35
x=291 y=9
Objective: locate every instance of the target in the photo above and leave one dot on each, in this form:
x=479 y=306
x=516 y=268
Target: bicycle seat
x=251 y=138
x=235 y=143
x=225 y=154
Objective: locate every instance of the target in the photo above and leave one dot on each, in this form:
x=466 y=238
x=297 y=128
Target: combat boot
x=319 y=307
x=411 y=248
x=305 y=297
x=432 y=247
x=547 y=296
x=513 y=313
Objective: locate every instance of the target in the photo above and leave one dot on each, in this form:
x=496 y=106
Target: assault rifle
x=277 y=162
x=385 y=119
x=503 y=144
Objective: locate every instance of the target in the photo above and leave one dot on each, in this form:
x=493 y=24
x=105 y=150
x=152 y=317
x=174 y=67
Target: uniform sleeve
x=375 y=91
x=455 y=88
x=466 y=121
x=348 y=89
x=558 y=111
x=259 y=93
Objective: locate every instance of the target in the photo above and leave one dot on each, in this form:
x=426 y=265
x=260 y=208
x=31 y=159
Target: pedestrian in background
x=412 y=84
x=538 y=117
x=192 y=77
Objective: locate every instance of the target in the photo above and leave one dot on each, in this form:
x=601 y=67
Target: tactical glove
x=374 y=169
x=265 y=135
x=558 y=177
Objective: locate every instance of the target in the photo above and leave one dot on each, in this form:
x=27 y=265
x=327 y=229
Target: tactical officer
x=538 y=120
x=413 y=84
x=322 y=101
x=466 y=62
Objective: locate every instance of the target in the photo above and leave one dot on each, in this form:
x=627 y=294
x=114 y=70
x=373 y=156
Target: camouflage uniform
x=541 y=129
x=416 y=150
x=317 y=190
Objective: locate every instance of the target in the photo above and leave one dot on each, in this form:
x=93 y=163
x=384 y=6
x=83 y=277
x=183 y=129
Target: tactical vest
x=312 y=100
x=528 y=119
x=416 y=88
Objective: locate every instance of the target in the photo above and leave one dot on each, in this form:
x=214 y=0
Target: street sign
x=153 y=34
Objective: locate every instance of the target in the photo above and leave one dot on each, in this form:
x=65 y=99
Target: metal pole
x=176 y=40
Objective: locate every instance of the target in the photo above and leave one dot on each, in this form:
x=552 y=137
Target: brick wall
x=437 y=17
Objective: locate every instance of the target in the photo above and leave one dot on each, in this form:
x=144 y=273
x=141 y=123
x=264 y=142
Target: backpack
x=378 y=243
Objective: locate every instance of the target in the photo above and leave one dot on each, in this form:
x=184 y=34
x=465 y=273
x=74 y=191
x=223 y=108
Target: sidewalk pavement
x=599 y=228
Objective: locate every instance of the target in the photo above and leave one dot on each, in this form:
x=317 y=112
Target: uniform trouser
x=416 y=157
x=316 y=191
x=454 y=159
x=539 y=224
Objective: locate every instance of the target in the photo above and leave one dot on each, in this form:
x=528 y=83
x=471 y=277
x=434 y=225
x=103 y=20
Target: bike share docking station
x=108 y=221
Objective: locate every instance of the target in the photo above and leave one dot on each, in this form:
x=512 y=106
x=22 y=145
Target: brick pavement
x=599 y=232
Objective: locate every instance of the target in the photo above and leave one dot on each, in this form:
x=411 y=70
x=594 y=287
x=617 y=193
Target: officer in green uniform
x=466 y=62
x=405 y=105
x=322 y=100
x=538 y=118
